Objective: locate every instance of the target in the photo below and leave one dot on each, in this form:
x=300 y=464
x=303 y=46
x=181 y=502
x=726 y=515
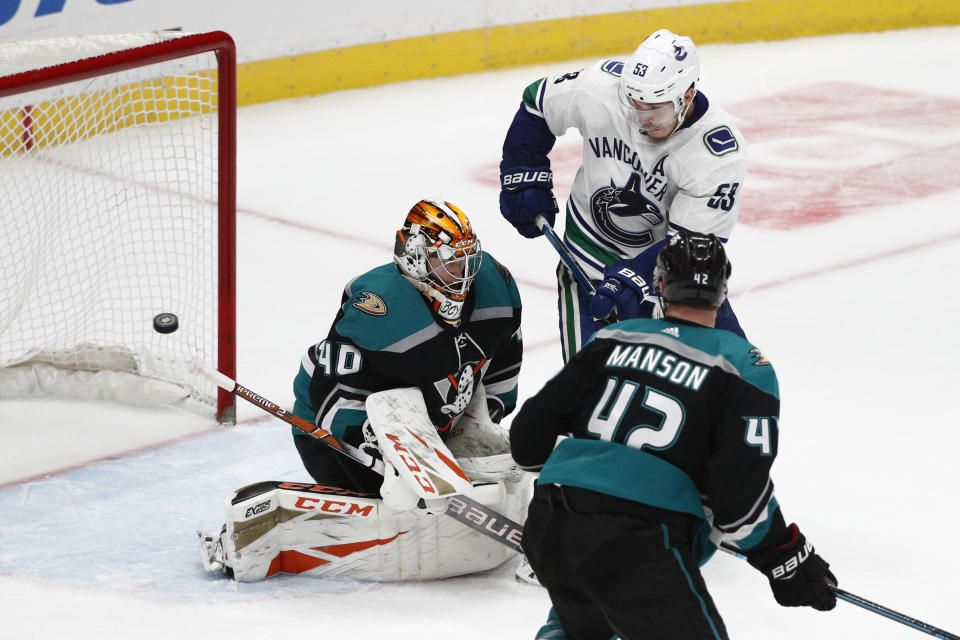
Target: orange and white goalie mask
x=438 y=252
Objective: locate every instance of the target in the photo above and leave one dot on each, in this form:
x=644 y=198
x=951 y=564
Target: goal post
x=117 y=203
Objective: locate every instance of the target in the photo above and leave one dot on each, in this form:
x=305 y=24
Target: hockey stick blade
x=873 y=607
x=465 y=510
x=565 y=256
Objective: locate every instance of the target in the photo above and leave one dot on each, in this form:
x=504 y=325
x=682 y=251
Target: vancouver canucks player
x=658 y=157
x=674 y=429
x=443 y=316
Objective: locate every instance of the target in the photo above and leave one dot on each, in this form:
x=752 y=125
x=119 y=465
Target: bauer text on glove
x=525 y=193
x=622 y=289
x=798 y=576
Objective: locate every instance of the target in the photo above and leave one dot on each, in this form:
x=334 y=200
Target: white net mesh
x=108 y=205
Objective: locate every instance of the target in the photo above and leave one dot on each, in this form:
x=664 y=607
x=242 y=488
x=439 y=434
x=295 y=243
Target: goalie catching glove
x=798 y=576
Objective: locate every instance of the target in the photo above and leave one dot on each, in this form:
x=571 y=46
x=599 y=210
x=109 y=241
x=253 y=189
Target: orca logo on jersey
x=371 y=303
x=679 y=52
x=614 y=209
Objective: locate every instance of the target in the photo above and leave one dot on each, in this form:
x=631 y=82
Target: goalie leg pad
x=299 y=528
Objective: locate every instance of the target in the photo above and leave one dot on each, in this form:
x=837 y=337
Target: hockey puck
x=165 y=323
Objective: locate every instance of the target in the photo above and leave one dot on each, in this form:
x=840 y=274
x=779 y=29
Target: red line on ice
x=116 y=456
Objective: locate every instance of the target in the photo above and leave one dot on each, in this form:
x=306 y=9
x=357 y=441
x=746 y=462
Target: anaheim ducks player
x=658 y=158
x=444 y=317
x=673 y=429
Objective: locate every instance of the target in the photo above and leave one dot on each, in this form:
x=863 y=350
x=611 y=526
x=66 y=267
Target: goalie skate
x=211 y=549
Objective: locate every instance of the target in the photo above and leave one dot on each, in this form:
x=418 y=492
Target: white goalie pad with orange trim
x=322 y=531
x=410 y=442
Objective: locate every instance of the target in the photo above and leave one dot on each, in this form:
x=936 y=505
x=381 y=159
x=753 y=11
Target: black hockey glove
x=798 y=576
x=525 y=193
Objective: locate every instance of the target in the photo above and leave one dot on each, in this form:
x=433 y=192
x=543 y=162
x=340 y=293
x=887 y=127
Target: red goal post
x=118 y=183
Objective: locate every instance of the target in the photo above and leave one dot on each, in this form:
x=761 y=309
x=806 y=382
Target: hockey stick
x=230 y=385
x=872 y=606
x=893 y=615
x=565 y=256
x=461 y=508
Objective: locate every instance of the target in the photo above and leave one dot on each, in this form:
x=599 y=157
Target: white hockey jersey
x=631 y=190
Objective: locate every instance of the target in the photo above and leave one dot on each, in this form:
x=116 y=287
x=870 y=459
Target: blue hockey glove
x=525 y=193
x=622 y=289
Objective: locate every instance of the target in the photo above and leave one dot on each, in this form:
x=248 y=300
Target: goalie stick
x=873 y=607
x=461 y=508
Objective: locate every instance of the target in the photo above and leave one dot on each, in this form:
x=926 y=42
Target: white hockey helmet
x=661 y=70
x=437 y=250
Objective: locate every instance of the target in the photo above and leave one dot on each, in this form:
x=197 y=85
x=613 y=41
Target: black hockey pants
x=329 y=467
x=616 y=567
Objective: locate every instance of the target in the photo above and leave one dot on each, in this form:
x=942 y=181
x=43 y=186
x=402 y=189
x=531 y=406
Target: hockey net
x=117 y=202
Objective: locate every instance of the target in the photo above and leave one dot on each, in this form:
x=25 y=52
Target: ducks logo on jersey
x=457 y=388
x=371 y=303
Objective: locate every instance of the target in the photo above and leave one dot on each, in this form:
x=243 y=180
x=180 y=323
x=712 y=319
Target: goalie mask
x=660 y=71
x=694 y=269
x=438 y=252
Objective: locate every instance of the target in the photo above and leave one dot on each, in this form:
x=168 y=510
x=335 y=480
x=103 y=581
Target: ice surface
x=854 y=304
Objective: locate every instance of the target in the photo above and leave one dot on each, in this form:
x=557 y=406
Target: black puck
x=165 y=323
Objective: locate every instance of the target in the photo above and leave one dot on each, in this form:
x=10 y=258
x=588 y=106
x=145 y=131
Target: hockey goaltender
x=420 y=365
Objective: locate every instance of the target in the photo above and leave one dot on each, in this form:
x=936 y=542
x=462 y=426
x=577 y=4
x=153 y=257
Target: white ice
x=99 y=503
